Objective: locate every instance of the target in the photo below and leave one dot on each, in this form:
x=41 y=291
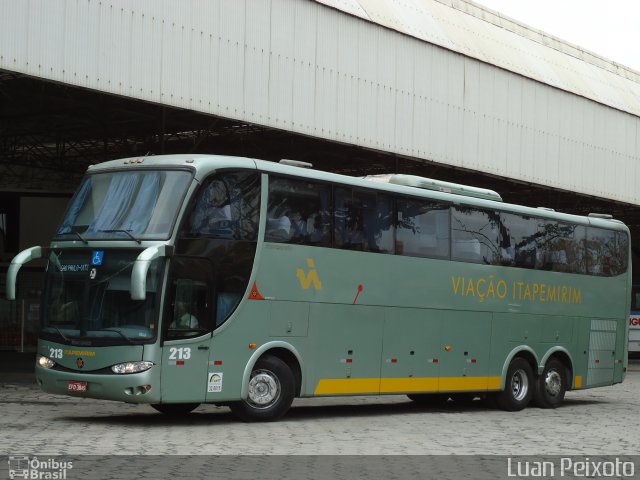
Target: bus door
x=187 y=328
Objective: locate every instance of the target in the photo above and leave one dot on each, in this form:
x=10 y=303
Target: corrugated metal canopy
x=478 y=32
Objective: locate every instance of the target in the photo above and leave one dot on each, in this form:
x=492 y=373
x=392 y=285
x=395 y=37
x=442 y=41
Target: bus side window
x=561 y=247
x=522 y=246
x=212 y=213
x=363 y=221
x=475 y=235
x=225 y=207
x=423 y=228
x=298 y=212
x=606 y=252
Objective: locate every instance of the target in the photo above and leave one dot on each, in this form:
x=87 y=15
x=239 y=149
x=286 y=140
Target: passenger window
x=607 y=252
x=561 y=247
x=363 y=221
x=422 y=229
x=477 y=236
x=226 y=206
x=298 y=212
x=518 y=240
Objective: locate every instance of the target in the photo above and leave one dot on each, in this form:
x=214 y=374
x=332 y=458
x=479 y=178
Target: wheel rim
x=553 y=383
x=264 y=389
x=519 y=385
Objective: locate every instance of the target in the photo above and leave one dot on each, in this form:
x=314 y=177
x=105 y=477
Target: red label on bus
x=634 y=321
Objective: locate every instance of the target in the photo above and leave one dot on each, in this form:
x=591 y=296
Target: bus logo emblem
x=80 y=362
x=309 y=278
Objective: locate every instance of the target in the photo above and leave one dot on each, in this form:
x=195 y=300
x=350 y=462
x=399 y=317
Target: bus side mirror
x=18 y=261
x=141 y=266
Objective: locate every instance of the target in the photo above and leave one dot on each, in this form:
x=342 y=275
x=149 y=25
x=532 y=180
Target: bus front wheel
x=518 y=388
x=271 y=391
x=551 y=385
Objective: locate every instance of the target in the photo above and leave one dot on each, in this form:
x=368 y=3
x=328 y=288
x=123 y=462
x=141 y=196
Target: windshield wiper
x=126 y=232
x=60 y=333
x=84 y=240
x=119 y=333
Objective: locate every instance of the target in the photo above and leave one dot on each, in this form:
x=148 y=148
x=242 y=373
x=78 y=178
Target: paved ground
x=603 y=421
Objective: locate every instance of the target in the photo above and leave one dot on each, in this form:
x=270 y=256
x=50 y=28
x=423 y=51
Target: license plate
x=77 y=386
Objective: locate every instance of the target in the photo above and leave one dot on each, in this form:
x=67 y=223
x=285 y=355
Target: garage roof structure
x=435 y=87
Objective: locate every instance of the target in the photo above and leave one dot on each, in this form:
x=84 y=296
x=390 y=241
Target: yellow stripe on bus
x=401 y=385
x=338 y=386
x=578 y=381
x=346 y=386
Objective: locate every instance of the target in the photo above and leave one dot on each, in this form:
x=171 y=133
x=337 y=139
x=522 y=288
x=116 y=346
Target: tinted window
x=519 y=246
x=363 y=221
x=190 y=310
x=422 y=229
x=298 y=212
x=560 y=247
x=607 y=252
x=476 y=235
x=226 y=206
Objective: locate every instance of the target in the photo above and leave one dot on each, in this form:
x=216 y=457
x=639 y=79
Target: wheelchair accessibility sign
x=96 y=257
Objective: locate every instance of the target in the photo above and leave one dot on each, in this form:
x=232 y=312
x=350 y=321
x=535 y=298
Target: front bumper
x=143 y=387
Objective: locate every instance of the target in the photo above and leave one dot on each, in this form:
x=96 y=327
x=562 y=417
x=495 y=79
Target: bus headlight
x=131 y=367
x=45 y=362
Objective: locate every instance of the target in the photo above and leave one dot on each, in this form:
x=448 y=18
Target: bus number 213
x=179 y=353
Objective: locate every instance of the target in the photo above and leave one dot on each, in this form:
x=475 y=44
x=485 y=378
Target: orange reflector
x=447 y=348
x=255 y=293
x=252 y=346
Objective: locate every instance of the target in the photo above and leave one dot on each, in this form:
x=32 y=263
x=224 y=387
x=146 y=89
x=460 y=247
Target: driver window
x=190 y=301
x=189 y=310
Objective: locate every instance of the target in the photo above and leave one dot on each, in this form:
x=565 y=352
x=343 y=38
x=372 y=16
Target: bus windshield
x=125 y=205
x=87 y=299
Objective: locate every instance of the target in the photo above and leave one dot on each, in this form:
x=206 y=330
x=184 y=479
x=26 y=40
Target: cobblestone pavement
x=603 y=421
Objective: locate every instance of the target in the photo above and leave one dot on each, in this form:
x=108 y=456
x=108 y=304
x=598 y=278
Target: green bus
x=186 y=279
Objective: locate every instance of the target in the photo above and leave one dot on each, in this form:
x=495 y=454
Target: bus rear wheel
x=175 y=409
x=519 y=387
x=551 y=385
x=271 y=392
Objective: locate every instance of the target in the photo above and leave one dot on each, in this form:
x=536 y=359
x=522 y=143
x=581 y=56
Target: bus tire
x=271 y=392
x=175 y=409
x=551 y=385
x=518 y=389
